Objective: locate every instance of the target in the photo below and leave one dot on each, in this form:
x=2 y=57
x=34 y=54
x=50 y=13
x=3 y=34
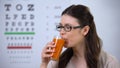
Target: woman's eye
x=68 y=27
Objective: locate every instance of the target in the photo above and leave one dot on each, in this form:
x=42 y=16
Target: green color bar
x=19 y=33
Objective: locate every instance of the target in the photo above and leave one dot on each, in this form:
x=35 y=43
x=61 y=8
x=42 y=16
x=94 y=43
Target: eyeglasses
x=66 y=28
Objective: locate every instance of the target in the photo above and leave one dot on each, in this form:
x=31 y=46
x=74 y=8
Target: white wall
x=46 y=15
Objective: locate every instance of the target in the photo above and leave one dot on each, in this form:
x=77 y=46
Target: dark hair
x=92 y=41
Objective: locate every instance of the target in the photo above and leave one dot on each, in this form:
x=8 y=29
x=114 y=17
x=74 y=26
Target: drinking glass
x=59 y=43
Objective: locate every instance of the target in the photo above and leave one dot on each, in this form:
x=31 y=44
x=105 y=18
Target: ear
x=85 y=30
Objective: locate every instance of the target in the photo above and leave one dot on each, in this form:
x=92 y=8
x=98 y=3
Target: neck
x=78 y=59
x=79 y=51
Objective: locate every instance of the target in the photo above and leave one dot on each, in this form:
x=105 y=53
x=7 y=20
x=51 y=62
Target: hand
x=47 y=53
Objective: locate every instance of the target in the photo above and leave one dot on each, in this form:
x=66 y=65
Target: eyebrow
x=66 y=24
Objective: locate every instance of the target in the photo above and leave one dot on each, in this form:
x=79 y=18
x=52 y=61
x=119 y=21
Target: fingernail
x=51 y=54
x=53 y=43
x=53 y=50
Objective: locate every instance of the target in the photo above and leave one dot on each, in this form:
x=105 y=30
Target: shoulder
x=53 y=64
x=108 y=61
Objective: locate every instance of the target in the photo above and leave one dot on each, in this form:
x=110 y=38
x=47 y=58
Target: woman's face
x=75 y=36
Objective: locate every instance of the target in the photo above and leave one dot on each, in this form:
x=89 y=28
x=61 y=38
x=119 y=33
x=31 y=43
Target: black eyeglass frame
x=59 y=27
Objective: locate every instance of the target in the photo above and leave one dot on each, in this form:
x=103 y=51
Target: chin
x=66 y=46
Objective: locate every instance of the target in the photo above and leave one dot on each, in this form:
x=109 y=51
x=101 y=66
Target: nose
x=62 y=32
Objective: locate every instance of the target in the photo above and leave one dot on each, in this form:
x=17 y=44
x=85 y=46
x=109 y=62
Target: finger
x=50 y=46
x=47 y=55
x=50 y=50
x=51 y=43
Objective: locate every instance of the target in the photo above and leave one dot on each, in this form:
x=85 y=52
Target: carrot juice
x=58 y=48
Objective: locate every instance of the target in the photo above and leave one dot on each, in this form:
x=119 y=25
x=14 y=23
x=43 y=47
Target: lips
x=66 y=41
x=66 y=44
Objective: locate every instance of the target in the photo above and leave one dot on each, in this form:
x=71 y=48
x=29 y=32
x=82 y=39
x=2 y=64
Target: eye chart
x=26 y=27
x=19 y=32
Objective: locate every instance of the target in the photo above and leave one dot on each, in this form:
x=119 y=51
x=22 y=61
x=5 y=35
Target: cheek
x=74 y=39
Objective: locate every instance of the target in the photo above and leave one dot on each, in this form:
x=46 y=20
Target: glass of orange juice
x=59 y=43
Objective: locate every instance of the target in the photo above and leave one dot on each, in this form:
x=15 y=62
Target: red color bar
x=19 y=47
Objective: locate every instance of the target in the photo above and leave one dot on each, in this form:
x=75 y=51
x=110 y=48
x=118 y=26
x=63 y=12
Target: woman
x=83 y=45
